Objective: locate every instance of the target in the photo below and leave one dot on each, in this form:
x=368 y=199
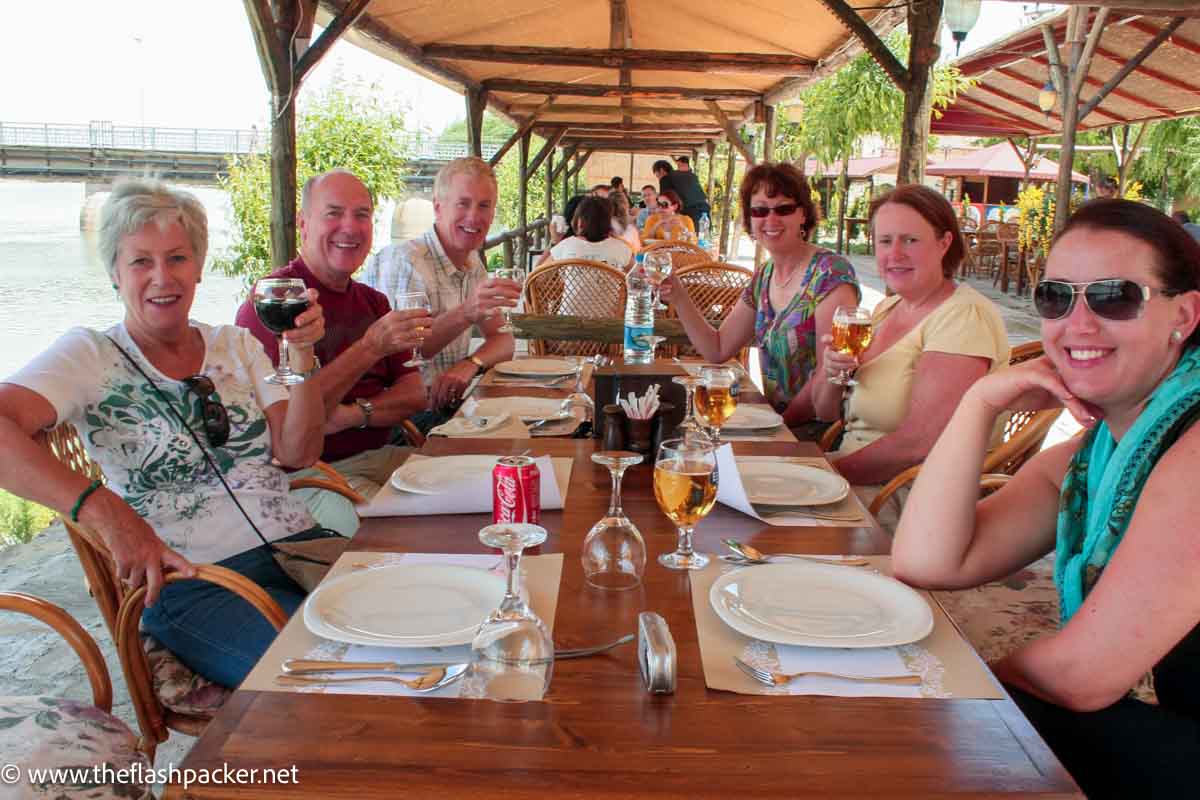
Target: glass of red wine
x=277 y=302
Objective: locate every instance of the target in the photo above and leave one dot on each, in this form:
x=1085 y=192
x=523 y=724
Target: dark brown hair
x=674 y=199
x=593 y=219
x=934 y=209
x=1177 y=253
x=779 y=178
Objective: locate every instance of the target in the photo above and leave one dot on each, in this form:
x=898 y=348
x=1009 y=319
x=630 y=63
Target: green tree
x=350 y=126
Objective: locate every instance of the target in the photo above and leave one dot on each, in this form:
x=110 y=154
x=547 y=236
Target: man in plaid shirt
x=444 y=263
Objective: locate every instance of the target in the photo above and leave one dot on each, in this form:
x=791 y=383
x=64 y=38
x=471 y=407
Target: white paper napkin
x=471 y=496
x=866 y=662
x=732 y=492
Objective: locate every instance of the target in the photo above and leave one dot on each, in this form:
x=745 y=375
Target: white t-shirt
x=147 y=456
x=613 y=252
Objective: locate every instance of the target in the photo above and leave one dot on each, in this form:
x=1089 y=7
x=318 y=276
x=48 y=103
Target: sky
x=180 y=63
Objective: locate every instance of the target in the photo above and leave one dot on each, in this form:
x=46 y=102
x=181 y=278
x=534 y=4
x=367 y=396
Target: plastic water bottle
x=639 y=317
x=704 y=233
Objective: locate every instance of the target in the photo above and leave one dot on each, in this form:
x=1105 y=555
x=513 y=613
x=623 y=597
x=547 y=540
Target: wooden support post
x=924 y=22
x=710 y=147
x=727 y=204
x=549 y=189
x=768 y=155
x=547 y=148
x=843 y=199
x=523 y=200
x=731 y=131
x=525 y=128
x=476 y=104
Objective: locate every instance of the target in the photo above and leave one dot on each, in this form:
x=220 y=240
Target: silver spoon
x=753 y=555
x=429 y=682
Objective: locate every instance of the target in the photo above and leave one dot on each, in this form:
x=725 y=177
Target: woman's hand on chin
x=1032 y=386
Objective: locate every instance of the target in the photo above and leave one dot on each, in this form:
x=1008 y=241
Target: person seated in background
x=931 y=340
x=1120 y=303
x=593 y=237
x=617 y=187
x=600 y=190
x=790 y=301
x=649 y=205
x=668 y=223
x=693 y=202
x=622 y=222
x=160 y=404
x=366 y=388
x=445 y=264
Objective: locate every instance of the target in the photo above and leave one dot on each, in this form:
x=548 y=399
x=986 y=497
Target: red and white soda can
x=516 y=491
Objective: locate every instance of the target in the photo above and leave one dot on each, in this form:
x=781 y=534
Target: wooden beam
x=612 y=146
x=731 y=131
x=523 y=129
x=547 y=148
x=1130 y=66
x=702 y=128
x=710 y=147
x=1090 y=81
x=769 y=135
x=1176 y=41
x=476 y=104
x=523 y=173
x=642 y=136
x=610 y=111
x=619 y=57
x=620 y=33
x=1149 y=72
x=580 y=161
x=727 y=203
x=569 y=328
x=568 y=151
x=333 y=31
x=1089 y=48
x=1001 y=114
x=271 y=52
x=879 y=51
x=607 y=90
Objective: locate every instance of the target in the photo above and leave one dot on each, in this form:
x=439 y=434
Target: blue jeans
x=217 y=634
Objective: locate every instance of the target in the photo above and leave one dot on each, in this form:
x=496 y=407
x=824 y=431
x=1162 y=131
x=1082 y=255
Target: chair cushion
x=52 y=732
x=177 y=687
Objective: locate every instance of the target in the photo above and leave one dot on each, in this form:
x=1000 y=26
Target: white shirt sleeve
x=59 y=373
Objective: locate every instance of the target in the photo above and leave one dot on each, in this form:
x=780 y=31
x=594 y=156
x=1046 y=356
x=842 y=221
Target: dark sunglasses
x=216 y=420
x=663 y=204
x=1113 y=299
x=782 y=210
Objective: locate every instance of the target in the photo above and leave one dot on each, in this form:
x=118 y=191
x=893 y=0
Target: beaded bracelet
x=83 y=496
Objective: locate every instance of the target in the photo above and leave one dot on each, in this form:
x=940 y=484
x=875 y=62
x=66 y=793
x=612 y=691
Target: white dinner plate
x=820 y=605
x=529 y=409
x=417 y=605
x=782 y=483
x=536 y=367
x=437 y=475
x=753 y=418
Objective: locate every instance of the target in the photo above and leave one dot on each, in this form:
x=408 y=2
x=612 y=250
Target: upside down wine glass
x=614 y=552
x=690 y=426
x=277 y=303
x=657 y=266
x=685 y=486
x=512 y=654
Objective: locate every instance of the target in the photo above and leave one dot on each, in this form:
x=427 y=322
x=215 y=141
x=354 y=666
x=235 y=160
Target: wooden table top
x=599 y=733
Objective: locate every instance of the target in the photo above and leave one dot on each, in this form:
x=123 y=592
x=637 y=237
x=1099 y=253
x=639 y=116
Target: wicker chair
x=683 y=254
x=575 y=287
x=166 y=695
x=715 y=287
x=53 y=732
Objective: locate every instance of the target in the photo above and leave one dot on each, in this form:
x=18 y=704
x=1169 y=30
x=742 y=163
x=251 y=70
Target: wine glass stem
x=285 y=363
x=685 y=541
x=614 y=501
x=691 y=404
x=512 y=563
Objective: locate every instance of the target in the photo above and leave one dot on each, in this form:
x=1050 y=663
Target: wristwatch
x=480 y=367
x=368 y=408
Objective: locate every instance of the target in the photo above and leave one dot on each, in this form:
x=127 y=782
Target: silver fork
x=781 y=679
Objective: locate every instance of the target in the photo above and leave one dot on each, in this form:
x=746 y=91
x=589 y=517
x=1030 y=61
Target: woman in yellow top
x=668 y=223
x=932 y=339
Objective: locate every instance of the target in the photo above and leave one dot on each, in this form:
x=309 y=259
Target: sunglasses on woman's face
x=1113 y=299
x=663 y=204
x=216 y=420
x=782 y=210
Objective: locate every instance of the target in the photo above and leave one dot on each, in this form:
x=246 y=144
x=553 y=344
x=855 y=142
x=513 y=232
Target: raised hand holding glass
x=277 y=302
x=411 y=300
x=852 y=333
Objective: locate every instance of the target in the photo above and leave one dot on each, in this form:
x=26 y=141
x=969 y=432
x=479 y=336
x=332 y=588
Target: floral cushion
x=51 y=732
x=1001 y=617
x=177 y=687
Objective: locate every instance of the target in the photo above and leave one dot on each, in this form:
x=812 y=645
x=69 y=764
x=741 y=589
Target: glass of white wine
x=716 y=397
x=508 y=274
x=852 y=332
x=685 y=486
x=411 y=300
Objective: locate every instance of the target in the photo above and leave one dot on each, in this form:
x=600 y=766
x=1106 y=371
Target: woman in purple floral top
x=790 y=302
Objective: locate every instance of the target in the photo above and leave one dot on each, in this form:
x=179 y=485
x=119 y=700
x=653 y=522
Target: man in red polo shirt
x=366 y=387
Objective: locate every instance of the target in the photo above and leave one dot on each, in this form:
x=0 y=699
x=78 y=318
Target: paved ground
x=34 y=661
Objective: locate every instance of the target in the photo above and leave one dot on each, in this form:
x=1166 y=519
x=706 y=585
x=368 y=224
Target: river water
x=51 y=279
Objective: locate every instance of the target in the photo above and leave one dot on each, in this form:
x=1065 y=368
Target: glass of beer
x=685 y=486
x=411 y=300
x=716 y=397
x=277 y=303
x=852 y=336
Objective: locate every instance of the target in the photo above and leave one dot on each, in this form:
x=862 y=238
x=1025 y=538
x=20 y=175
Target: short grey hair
x=470 y=165
x=310 y=184
x=135 y=203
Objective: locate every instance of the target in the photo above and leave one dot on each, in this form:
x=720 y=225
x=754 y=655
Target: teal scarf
x=1105 y=478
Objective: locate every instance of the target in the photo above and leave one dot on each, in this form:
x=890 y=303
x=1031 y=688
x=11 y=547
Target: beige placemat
x=493 y=378
x=946 y=662
x=849 y=512
x=540 y=577
x=511 y=428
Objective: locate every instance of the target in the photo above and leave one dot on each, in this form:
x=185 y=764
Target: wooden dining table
x=598 y=733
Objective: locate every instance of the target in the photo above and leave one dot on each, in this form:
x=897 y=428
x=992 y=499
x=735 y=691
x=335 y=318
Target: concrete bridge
x=100 y=152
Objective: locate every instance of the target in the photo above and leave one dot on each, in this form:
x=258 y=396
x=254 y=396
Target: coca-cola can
x=516 y=491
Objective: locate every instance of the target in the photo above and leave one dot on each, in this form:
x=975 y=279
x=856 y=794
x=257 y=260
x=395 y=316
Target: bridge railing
x=417 y=146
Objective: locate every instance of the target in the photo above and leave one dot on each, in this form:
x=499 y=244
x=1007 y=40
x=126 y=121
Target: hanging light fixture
x=1047 y=97
x=961 y=16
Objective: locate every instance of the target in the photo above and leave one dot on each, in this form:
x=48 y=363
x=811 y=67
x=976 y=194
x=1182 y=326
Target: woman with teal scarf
x=1120 y=305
